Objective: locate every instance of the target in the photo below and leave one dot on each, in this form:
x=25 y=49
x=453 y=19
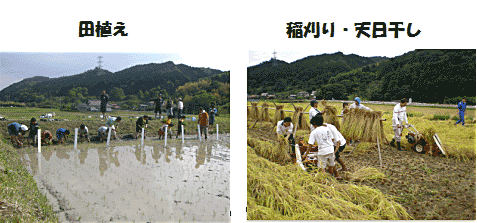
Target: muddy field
x=130 y=182
x=428 y=187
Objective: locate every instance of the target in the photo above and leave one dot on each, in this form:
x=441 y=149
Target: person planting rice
x=103 y=133
x=357 y=104
x=33 y=131
x=83 y=133
x=180 y=123
x=111 y=122
x=399 y=115
x=158 y=109
x=212 y=113
x=180 y=108
x=323 y=136
x=339 y=143
x=46 y=137
x=203 y=122
x=461 y=107
x=285 y=128
x=168 y=123
x=169 y=107
x=62 y=135
x=16 y=132
x=141 y=123
x=104 y=102
x=313 y=112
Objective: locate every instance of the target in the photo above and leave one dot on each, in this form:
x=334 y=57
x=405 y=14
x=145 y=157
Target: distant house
x=271 y=96
x=313 y=93
x=264 y=95
x=303 y=94
x=292 y=96
x=253 y=97
x=94 y=105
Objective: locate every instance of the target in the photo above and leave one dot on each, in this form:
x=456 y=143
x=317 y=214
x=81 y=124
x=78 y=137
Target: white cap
x=24 y=128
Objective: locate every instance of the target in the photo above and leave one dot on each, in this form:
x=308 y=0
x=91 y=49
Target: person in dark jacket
x=169 y=107
x=141 y=123
x=180 y=124
x=104 y=102
x=461 y=106
x=33 y=131
x=158 y=109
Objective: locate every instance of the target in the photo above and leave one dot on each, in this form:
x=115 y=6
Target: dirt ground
x=428 y=187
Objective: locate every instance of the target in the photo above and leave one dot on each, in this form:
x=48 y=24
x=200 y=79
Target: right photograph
x=343 y=136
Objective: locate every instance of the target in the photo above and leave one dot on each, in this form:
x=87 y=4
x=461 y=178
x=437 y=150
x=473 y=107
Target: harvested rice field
x=409 y=185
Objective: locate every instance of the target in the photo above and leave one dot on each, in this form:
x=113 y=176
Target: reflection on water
x=139 y=183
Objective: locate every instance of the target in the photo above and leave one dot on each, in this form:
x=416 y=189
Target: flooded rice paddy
x=131 y=182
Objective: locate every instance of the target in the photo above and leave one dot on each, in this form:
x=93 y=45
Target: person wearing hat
x=158 y=109
x=141 y=123
x=33 y=131
x=103 y=133
x=357 y=104
x=16 y=132
x=112 y=122
x=180 y=124
x=313 y=112
x=169 y=106
x=62 y=135
x=180 y=108
x=83 y=133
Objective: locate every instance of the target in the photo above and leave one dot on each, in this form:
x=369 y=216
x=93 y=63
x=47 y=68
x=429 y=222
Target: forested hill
x=305 y=74
x=433 y=76
x=165 y=77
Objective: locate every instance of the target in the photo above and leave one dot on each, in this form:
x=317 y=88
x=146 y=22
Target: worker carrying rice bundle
x=285 y=128
x=399 y=115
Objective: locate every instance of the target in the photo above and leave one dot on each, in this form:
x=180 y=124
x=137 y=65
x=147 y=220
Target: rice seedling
x=276 y=192
x=440 y=117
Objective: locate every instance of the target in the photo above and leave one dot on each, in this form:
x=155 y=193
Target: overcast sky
x=257 y=56
x=15 y=67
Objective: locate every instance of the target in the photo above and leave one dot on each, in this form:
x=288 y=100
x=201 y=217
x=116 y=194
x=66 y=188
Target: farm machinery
x=420 y=144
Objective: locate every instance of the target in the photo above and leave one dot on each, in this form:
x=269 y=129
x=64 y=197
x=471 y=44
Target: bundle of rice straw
x=264 y=115
x=360 y=124
x=275 y=152
x=299 y=119
x=330 y=116
x=248 y=111
x=255 y=113
x=279 y=114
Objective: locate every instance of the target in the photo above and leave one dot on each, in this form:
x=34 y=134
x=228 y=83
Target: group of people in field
x=17 y=131
x=331 y=142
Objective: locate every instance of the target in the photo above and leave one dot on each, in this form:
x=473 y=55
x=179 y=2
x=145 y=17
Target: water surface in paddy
x=136 y=183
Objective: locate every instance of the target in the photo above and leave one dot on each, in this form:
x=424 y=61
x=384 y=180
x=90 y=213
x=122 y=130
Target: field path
x=428 y=187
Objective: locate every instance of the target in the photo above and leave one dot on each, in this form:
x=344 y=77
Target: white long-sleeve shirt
x=399 y=115
x=313 y=111
x=336 y=135
x=181 y=105
x=282 y=130
x=361 y=106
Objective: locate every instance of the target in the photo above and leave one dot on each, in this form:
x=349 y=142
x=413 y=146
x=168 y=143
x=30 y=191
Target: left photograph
x=114 y=137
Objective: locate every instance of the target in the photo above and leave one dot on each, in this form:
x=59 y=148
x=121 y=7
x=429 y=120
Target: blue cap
x=358 y=100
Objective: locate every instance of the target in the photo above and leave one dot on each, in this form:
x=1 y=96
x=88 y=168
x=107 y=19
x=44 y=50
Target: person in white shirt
x=103 y=133
x=357 y=104
x=285 y=128
x=83 y=133
x=180 y=108
x=339 y=142
x=323 y=136
x=313 y=112
x=399 y=115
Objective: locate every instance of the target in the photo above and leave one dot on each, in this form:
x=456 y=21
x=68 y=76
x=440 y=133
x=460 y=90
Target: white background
x=225 y=31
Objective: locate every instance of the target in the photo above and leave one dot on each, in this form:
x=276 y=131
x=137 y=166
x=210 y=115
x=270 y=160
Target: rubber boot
x=392 y=143
x=399 y=146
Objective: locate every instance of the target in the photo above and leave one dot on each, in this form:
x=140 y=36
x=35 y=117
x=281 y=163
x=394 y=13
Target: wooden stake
x=353 y=149
x=379 y=150
x=254 y=123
